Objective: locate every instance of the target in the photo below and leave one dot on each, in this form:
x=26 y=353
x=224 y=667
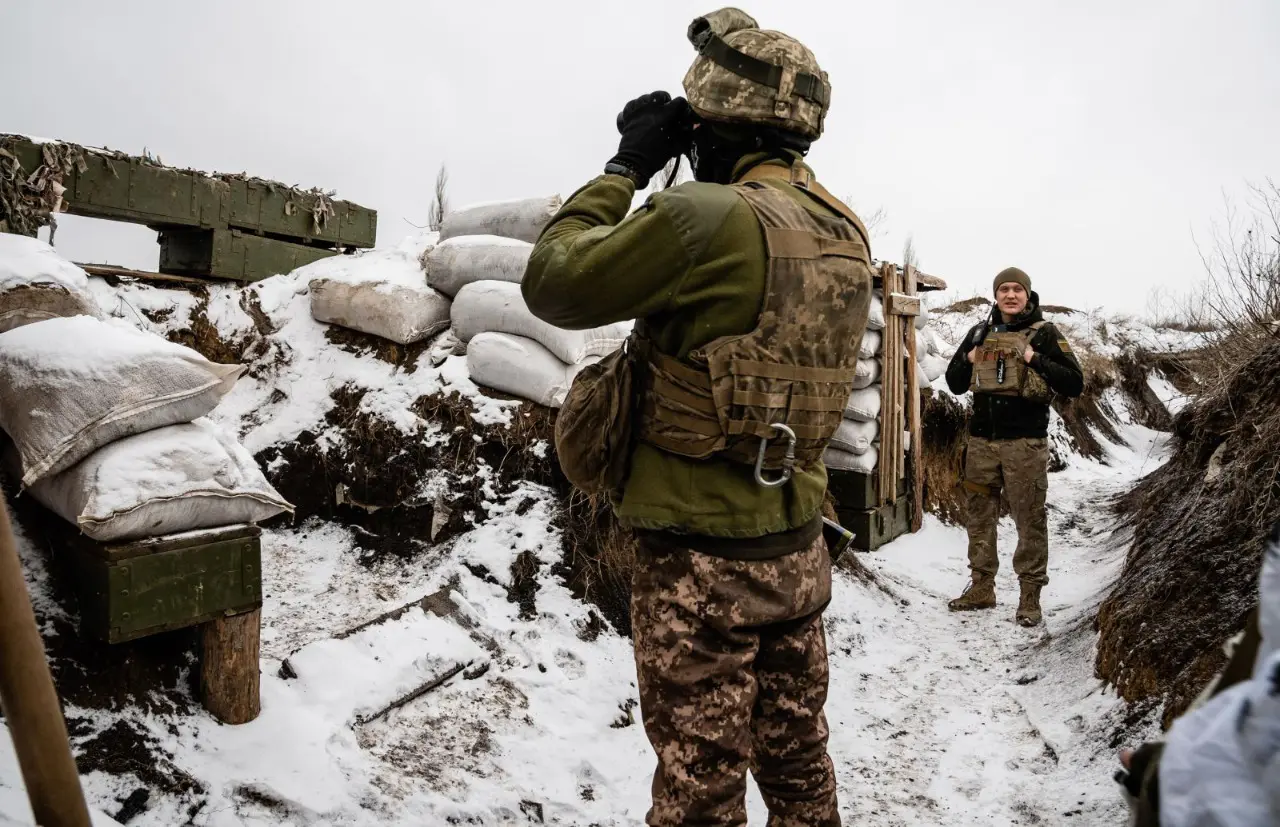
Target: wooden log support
x=31 y=708
x=890 y=387
x=229 y=670
x=914 y=425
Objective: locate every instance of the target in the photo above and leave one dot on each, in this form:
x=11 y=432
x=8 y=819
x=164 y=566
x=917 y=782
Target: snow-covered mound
x=426 y=661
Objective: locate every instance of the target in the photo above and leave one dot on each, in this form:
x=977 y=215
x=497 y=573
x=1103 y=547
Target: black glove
x=655 y=128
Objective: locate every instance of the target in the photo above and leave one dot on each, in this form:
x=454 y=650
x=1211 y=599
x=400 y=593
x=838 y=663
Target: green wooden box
x=232 y=254
x=134 y=589
x=853 y=491
x=874 y=527
x=135 y=189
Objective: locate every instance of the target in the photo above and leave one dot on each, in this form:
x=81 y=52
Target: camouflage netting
x=30 y=199
x=1198 y=525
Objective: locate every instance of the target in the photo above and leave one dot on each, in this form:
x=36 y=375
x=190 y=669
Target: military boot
x=980 y=594
x=1029 y=605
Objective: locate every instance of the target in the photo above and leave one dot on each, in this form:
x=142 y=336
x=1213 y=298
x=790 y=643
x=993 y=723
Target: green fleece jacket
x=691 y=262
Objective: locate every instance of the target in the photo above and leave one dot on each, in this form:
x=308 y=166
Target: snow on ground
x=936 y=718
x=485 y=704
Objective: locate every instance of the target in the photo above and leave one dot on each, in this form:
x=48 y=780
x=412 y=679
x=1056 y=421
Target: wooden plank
x=108 y=271
x=891 y=396
x=904 y=304
x=904 y=324
x=229 y=672
x=914 y=425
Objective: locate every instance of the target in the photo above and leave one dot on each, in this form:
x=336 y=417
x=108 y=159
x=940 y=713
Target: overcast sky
x=1084 y=141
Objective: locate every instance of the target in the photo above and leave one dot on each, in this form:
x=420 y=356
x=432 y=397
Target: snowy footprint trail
x=945 y=718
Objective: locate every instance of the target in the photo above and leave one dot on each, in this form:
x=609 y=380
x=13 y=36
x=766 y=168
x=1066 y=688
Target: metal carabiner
x=788 y=461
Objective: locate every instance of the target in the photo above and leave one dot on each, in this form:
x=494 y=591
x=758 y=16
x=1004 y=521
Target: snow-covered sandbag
x=933 y=366
x=499 y=307
x=522 y=220
x=854 y=436
x=875 y=318
x=70 y=386
x=866 y=374
x=521 y=367
x=864 y=404
x=394 y=311
x=923 y=318
x=864 y=463
x=172 y=479
x=871 y=342
x=453 y=264
x=37 y=284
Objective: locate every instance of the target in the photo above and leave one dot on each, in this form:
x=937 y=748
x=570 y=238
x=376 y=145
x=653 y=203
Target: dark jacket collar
x=1028 y=317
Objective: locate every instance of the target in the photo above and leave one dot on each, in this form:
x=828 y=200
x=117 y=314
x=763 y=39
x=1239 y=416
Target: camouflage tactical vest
x=998 y=366
x=797 y=367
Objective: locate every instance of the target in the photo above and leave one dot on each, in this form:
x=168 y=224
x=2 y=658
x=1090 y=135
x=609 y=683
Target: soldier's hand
x=1028 y=355
x=972 y=356
x=655 y=128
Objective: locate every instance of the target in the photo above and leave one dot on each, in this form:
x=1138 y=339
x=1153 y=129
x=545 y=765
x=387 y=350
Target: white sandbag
x=172 y=479
x=933 y=366
x=855 y=436
x=522 y=220
x=70 y=386
x=875 y=318
x=923 y=318
x=866 y=374
x=398 y=312
x=871 y=343
x=864 y=463
x=37 y=284
x=520 y=367
x=453 y=264
x=864 y=404
x=499 y=307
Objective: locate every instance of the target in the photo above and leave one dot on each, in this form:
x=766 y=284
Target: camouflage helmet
x=744 y=74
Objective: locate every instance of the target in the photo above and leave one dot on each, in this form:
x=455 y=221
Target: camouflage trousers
x=1019 y=468
x=732 y=665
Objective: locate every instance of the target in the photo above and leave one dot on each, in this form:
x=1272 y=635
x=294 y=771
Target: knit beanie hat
x=1011 y=274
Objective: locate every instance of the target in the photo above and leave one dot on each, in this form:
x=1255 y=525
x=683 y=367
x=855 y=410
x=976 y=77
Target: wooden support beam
x=904 y=304
x=30 y=701
x=229 y=670
x=890 y=387
x=914 y=425
x=108 y=271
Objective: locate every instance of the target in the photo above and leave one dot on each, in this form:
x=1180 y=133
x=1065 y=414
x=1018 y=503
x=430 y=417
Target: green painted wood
x=134 y=590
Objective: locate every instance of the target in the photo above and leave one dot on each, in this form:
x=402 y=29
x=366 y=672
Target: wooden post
x=913 y=411
x=890 y=388
x=30 y=701
x=229 y=670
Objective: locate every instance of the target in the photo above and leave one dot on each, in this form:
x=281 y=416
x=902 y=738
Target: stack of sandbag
x=487 y=242
x=383 y=293
x=37 y=284
x=511 y=350
x=856 y=444
x=107 y=422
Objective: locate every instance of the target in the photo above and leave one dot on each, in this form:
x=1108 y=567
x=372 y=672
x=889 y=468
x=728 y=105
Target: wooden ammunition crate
x=134 y=589
x=854 y=491
x=232 y=254
x=874 y=527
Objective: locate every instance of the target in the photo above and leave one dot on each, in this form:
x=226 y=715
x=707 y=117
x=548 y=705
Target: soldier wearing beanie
x=1014 y=363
